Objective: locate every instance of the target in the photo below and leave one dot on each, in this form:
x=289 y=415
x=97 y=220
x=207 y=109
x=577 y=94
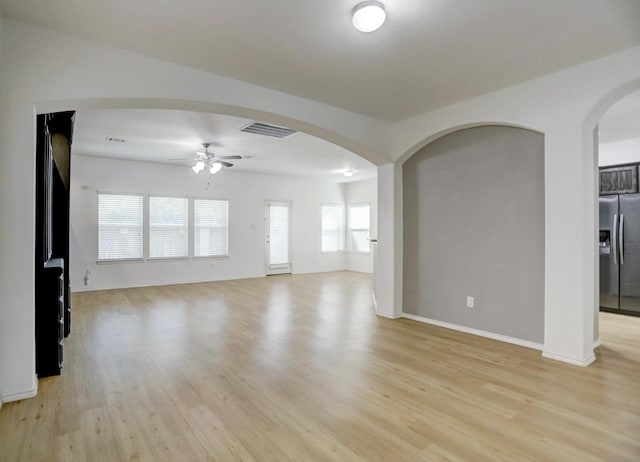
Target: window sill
x=210 y=257
x=119 y=260
x=160 y=259
x=116 y=261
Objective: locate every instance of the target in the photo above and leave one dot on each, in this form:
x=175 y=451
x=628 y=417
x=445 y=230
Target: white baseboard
x=597 y=343
x=166 y=283
x=382 y=313
x=18 y=395
x=567 y=359
x=387 y=315
x=470 y=330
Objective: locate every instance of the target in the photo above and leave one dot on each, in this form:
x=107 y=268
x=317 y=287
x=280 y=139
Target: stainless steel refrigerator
x=620 y=252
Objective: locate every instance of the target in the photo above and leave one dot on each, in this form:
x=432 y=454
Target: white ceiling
x=154 y=135
x=622 y=120
x=428 y=54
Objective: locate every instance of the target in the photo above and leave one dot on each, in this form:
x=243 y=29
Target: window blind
x=332 y=228
x=119 y=226
x=168 y=227
x=211 y=228
x=359 y=224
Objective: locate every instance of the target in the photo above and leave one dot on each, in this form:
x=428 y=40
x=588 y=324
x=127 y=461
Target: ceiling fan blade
x=228 y=157
x=226 y=164
x=183 y=159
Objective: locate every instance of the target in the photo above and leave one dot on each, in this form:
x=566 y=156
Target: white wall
x=39 y=69
x=619 y=152
x=565 y=107
x=363 y=192
x=246 y=194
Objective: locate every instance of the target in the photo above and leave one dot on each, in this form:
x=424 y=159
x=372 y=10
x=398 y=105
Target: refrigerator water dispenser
x=605 y=242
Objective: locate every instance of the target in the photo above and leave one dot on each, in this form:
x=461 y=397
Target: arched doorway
x=112 y=105
x=611 y=147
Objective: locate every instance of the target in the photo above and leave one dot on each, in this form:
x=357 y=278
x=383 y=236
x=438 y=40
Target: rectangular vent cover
x=268 y=130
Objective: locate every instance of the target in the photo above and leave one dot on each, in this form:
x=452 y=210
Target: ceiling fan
x=209 y=160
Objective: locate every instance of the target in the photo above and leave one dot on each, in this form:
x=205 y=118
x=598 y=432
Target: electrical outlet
x=213 y=266
x=470 y=302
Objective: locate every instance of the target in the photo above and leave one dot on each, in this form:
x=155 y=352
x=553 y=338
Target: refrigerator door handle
x=614 y=240
x=621 y=238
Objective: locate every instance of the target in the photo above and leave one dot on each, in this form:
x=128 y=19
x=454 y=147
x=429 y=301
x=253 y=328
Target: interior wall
x=246 y=194
x=619 y=152
x=565 y=106
x=363 y=192
x=474 y=226
x=39 y=67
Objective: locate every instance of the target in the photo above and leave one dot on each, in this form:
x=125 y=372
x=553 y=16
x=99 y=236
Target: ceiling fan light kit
x=198 y=166
x=368 y=16
x=209 y=160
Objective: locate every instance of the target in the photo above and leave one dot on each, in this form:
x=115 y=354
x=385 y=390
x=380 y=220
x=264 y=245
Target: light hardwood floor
x=299 y=368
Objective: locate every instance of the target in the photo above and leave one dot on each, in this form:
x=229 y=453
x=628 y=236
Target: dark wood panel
x=619 y=180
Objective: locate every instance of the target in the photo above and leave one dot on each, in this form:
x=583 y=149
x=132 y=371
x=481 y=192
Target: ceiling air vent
x=268 y=130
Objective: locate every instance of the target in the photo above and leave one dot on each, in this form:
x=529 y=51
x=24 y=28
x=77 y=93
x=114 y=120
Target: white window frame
x=192 y=249
x=97 y=235
x=350 y=229
x=344 y=228
x=147 y=234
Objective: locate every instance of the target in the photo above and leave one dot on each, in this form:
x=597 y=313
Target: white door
x=278 y=228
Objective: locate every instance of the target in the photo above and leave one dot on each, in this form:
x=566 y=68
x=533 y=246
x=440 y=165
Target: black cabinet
x=50 y=299
x=52 y=289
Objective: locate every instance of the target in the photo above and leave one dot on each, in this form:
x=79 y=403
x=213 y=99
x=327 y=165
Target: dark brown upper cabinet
x=619 y=180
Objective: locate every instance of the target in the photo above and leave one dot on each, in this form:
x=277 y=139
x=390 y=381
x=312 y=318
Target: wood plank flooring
x=298 y=368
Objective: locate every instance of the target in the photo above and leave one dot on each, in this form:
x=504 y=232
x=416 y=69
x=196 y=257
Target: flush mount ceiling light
x=348 y=173
x=368 y=16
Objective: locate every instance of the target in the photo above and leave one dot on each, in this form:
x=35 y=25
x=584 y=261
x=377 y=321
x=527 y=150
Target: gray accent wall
x=474 y=226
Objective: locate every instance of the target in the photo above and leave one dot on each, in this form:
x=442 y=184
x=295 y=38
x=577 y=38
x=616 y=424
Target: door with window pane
x=278 y=237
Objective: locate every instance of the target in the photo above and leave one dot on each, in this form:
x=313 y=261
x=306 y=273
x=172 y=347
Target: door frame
x=285 y=268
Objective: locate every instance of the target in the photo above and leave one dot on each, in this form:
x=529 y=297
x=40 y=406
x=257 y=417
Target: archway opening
x=101 y=172
x=617 y=152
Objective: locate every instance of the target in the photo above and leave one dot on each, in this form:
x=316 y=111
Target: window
x=359 y=223
x=332 y=228
x=119 y=226
x=168 y=227
x=211 y=228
